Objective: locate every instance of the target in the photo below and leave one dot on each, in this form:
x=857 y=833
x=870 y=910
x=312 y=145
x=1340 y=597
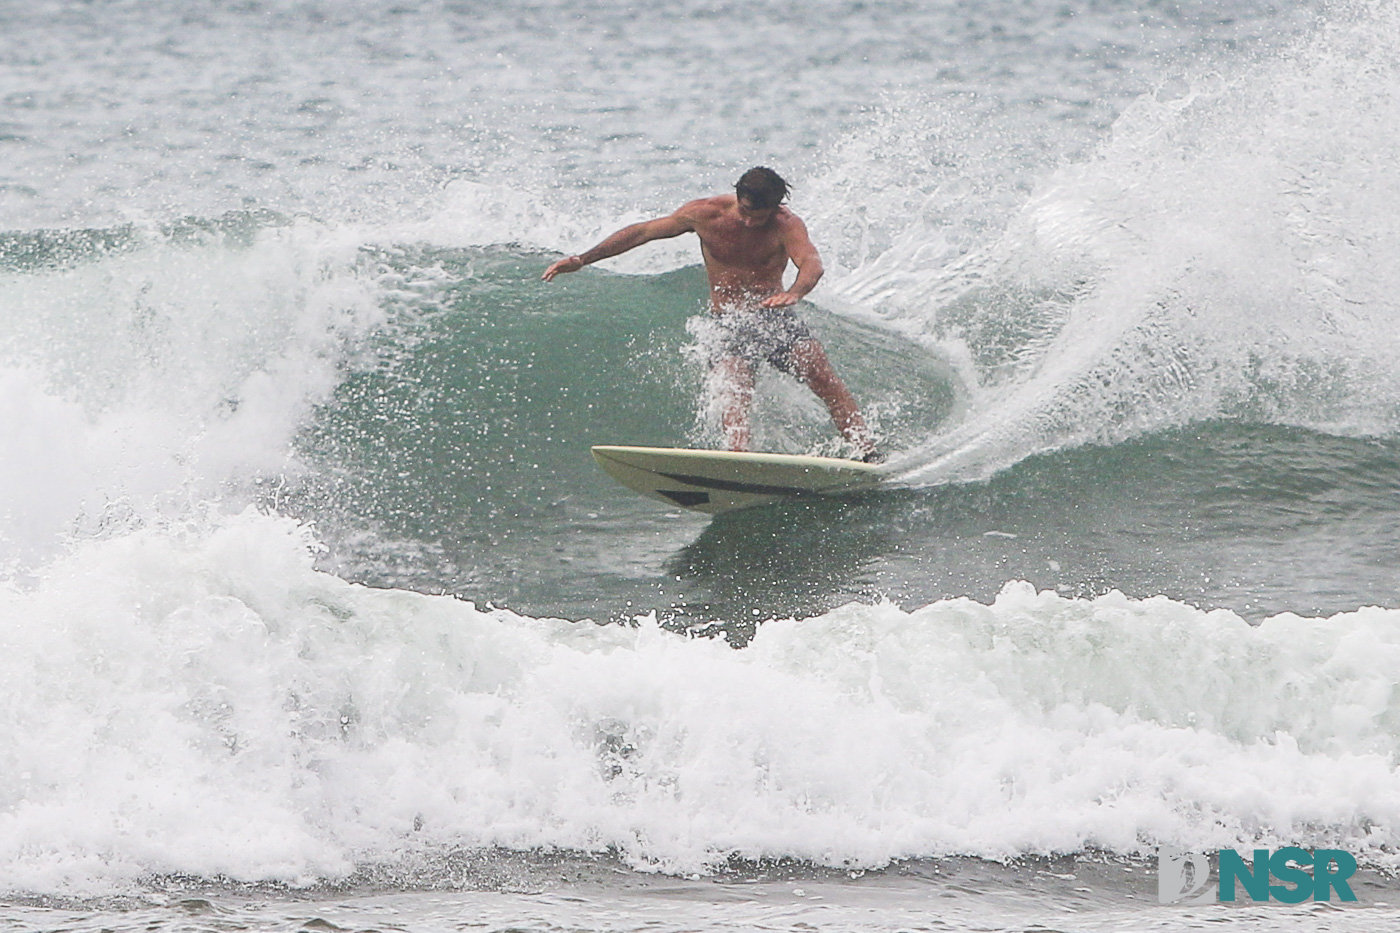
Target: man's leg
x=814 y=368
x=736 y=395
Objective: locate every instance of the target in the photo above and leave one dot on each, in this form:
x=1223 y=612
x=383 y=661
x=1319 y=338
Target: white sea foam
x=201 y=700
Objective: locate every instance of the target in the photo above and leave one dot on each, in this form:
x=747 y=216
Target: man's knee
x=734 y=369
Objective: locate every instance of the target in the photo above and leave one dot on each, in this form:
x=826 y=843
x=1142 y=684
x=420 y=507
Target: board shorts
x=763 y=335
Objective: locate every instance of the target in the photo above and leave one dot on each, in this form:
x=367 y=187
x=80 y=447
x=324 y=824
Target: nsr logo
x=1183 y=877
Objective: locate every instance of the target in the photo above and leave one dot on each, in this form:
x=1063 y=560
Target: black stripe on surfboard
x=725 y=485
x=686 y=497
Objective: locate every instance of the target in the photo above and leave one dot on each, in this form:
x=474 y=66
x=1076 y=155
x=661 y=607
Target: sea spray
x=1223 y=253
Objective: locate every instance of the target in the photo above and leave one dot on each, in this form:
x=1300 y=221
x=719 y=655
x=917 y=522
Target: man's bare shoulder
x=790 y=224
x=787 y=218
x=704 y=210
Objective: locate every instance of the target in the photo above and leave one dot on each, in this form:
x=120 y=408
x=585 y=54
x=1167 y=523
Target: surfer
x=747 y=239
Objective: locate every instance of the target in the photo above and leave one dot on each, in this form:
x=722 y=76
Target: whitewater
x=315 y=613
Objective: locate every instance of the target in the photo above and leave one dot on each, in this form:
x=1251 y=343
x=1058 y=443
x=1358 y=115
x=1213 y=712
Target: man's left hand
x=780 y=300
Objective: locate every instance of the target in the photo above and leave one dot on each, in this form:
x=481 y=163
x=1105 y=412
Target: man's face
x=751 y=216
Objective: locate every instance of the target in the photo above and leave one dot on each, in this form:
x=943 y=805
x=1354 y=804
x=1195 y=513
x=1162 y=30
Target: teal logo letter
x=1324 y=880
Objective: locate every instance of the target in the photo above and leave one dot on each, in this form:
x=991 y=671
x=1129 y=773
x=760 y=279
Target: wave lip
x=145 y=367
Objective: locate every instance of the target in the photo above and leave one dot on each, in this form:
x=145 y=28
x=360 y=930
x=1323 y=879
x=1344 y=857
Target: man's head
x=761 y=189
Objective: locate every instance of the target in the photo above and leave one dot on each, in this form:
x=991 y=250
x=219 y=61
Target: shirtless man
x=747 y=239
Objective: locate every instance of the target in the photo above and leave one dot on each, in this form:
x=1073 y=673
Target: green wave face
x=464 y=443
x=457 y=461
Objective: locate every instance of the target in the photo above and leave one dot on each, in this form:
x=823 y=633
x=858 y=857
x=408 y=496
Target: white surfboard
x=717 y=481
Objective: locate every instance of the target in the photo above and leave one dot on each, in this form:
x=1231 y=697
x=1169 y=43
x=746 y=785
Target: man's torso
x=745 y=264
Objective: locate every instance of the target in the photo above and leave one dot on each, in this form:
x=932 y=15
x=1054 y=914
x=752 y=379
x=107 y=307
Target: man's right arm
x=629 y=237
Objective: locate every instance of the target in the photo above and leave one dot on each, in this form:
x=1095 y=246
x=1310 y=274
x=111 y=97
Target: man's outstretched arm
x=620 y=242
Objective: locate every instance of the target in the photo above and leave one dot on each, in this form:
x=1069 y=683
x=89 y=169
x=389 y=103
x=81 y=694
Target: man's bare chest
x=740 y=247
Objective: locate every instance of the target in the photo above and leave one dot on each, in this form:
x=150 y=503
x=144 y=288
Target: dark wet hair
x=762 y=187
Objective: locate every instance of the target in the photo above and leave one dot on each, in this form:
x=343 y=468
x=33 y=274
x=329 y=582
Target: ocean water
x=316 y=614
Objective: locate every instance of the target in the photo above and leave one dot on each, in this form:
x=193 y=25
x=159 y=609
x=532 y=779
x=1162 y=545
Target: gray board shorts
x=763 y=335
